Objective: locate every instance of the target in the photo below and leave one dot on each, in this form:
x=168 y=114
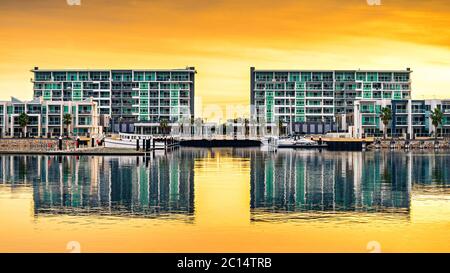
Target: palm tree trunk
x=435 y=134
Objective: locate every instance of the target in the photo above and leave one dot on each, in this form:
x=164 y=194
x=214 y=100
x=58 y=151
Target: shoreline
x=128 y=152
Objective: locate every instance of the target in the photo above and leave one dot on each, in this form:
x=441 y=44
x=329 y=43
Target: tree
x=246 y=128
x=163 y=125
x=386 y=116
x=436 y=119
x=192 y=121
x=120 y=123
x=199 y=125
x=67 y=121
x=281 y=126
x=24 y=120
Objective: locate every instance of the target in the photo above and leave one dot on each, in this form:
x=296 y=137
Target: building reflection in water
x=286 y=181
x=119 y=186
x=289 y=180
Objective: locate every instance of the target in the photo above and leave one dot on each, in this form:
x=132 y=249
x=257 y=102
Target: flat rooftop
x=328 y=70
x=187 y=69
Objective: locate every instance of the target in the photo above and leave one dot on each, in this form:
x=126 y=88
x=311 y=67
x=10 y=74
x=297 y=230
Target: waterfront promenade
x=90 y=147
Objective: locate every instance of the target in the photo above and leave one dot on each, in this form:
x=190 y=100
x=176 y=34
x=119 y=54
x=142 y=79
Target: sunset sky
x=223 y=38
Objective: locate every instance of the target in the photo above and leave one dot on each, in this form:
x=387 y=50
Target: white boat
x=269 y=143
x=293 y=142
x=125 y=141
x=128 y=141
x=282 y=142
x=305 y=142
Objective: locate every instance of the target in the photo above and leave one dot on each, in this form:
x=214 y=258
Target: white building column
x=357 y=125
x=410 y=126
x=12 y=126
x=39 y=125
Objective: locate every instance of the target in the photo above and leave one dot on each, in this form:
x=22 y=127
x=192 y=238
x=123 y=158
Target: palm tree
x=246 y=128
x=386 y=116
x=436 y=119
x=281 y=126
x=192 y=120
x=224 y=129
x=199 y=125
x=67 y=121
x=120 y=123
x=163 y=124
x=23 y=122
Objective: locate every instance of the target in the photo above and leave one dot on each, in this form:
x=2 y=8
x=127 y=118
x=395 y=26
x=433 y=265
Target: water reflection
x=118 y=186
x=280 y=183
x=373 y=182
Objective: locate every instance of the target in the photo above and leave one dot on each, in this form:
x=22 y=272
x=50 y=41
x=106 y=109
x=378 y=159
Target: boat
x=126 y=141
x=129 y=141
x=305 y=142
x=298 y=142
x=269 y=143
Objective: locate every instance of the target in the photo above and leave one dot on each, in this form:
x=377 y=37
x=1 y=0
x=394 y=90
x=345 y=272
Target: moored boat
x=125 y=141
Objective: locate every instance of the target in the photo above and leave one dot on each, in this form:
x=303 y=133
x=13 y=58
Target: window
x=385 y=76
x=360 y=76
x=59 y=76
x=264 y=76
x=180 y=76
x=281 y=76
x=305 y=76
x=83 y=76
x=162 y=76
x=372 y=76
x=43 y=76
x=401 y=77
x=138 y=76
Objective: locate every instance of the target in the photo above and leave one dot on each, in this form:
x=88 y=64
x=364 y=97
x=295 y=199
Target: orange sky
x=223 y=38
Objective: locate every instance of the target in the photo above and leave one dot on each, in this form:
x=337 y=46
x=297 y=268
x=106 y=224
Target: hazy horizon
x=223 y=39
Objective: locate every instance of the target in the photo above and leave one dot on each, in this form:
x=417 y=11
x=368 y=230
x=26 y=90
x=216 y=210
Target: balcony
x=84 y=111
x=401 y=111
x=401 y=123
x=369 y=123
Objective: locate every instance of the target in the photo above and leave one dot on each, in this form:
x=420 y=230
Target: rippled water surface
x=227 y=200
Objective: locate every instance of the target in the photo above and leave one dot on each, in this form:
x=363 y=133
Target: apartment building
x=317 y=101
x=410 y=118
x=125 y=96
x=45 y=118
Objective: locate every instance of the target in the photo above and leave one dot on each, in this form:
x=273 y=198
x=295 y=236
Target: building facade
x=126 y=96
x=317 y=101
x=410 y=118
x=46 y=118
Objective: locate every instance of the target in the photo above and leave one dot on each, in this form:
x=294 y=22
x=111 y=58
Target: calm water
x=227 y=200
